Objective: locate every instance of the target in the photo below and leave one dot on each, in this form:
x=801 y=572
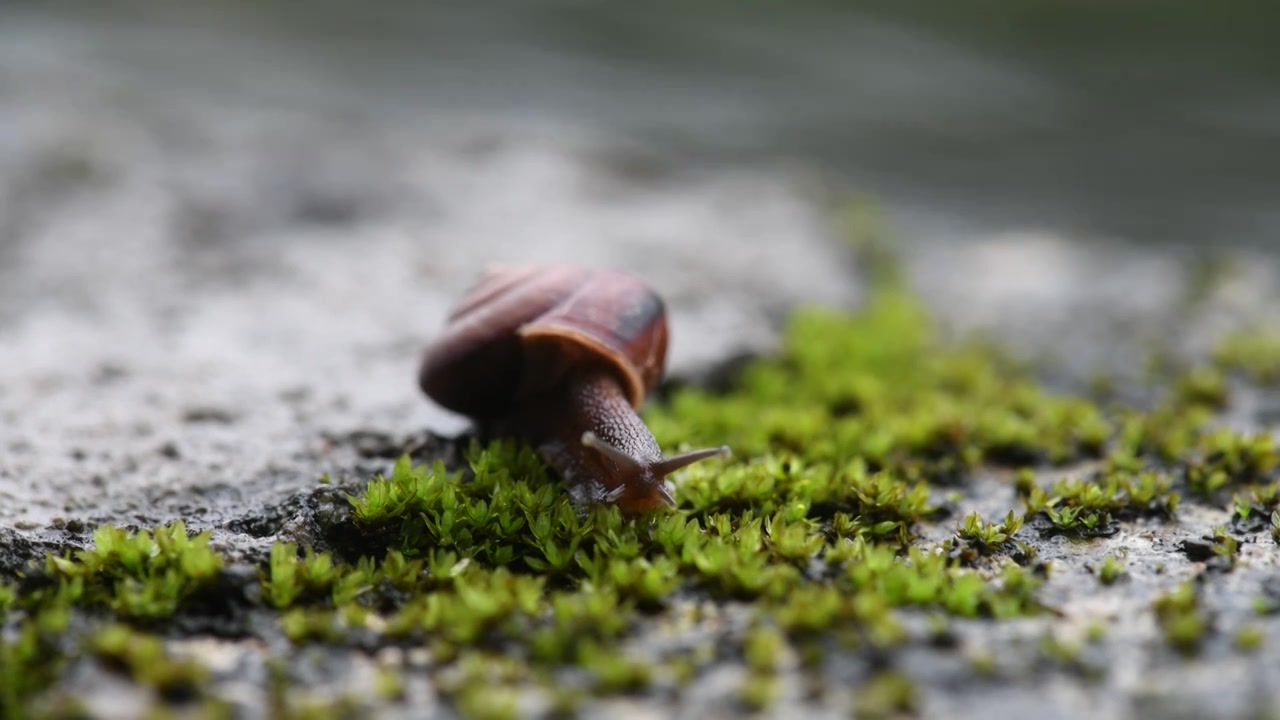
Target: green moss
x=987 y=537
x=1226 y=459
x=1256 y=502
x=478 y=702
x=1090 y=507
x=303 y=625
x=32 y=658
x=143 y=577
x=140 y=576
x=1181 y=618
x=613 y=672
x=1254 y=352
x=881 y=387
x=1225 y=546
x=143 y=658
x=1202 y=386
x=1165 y=434
x=886 y=695
x=762 y=648
x=1059 y=650
x=304 y=707
x=851 y=446
x=1112 y=569
x=984 y=663
x=1248 y=638
x=758 y=691
x=8 y=598
x=482 y=687
x=565 y=702
x=815 y=523
x=1069 y=655
x=289 y=578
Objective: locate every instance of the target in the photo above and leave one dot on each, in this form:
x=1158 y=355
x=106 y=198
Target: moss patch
x=821 y=535
x=1254 y=352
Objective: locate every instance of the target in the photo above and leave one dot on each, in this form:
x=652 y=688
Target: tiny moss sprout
x=1228 y=459
x=757 y=692
x=1111 y=570
x=1225 y=546
x=144 y=659
x=1248 y=638
x=1091 y=506
x=1181 y=618
x=1253 y=352
x=987 y=537
x=1203 y=386
x=1254 y=505
x=886 y=695
x=763 y=648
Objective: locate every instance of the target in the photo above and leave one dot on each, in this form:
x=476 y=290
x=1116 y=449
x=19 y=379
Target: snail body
x=562 y=357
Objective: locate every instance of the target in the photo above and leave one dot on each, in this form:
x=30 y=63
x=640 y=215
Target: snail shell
x=562 y=357
x=520 y=329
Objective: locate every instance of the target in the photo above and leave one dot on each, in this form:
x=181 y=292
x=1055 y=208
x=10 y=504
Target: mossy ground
x=902 y=513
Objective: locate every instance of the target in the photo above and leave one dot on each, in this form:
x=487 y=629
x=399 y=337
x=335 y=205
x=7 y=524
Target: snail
x=562 y=357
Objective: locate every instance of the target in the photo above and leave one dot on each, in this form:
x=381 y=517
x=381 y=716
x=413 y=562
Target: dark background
x=1149 y=121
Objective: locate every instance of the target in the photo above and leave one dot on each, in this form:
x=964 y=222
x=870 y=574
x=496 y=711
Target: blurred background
x=245 y=219
x=1155 y=121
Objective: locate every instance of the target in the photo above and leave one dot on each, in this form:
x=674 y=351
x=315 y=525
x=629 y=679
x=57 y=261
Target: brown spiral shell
x=519 y=330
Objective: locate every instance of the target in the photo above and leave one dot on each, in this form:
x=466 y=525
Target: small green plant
x=1202 y=386
x=1091 y=506
x=1181 y=618
x=987 y=537
x=1230 y=459
x=307 y=625
x=32 y=658
x=142 y=575
x=8 y=597
x=1257 y=502
x=886 y=695
x=758 y=691
x=613 y=673
x=1111 y=570
x=1248 y=638
x=762 y=648
x=1225 y=546
x=1254 y=352
x=282 y=585
x=144 y=659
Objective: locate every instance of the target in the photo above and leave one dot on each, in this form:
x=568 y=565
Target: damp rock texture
x=213 y=313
